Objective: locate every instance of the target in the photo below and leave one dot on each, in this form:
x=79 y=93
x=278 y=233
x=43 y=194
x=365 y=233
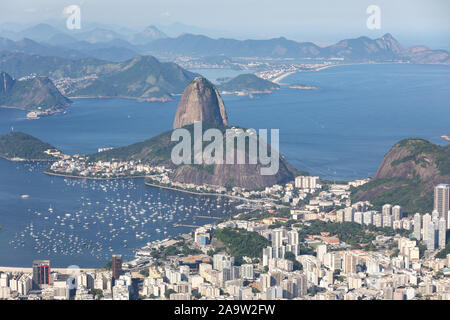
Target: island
x=19 y=146
x=247 y=84
x=446 y=137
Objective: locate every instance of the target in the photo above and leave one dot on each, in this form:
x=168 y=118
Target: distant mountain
x=22 y=146
x=19 y=64
x=149 y=34
x=198 y=45
x=248 y=83
x=200 y=102
x=407 y=176
x=361 y=49
x=41 y=32
x=35 y=93
x=32 y=47
x=364 y=48
x=422 y=54
x=143 y=78
x=97 y=35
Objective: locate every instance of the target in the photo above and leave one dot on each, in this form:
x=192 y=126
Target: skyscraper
x=386 y=209
x=41 y=273
x=417 y=226
x=442 y=233
x=441 y=199
x=116 y=266
x=397 y=212
x=426 y=219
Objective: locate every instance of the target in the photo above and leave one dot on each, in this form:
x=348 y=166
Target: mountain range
x=143 y=77
x=102 y=43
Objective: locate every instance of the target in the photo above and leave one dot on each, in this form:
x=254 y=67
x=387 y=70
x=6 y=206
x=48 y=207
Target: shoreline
x=90 y=178
x=123 y=97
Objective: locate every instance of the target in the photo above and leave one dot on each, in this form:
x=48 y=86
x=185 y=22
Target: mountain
x=200 y=102
x=198 y=45
x=361 y=49
x=32 y=47
x=149 y=34
x=98 y=35
x=422 y=54
x=407 y=176
x=143 y=78
x=19 y=64
x=364 y=48
x=41 y=32
x=33 y=93
x=248 y=83
x=18 y=145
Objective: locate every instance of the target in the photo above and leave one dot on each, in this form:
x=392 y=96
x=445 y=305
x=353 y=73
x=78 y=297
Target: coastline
x=90 y=178
x=26 y=160
x=123 y=97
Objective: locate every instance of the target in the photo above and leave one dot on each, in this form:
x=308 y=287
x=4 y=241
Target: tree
x=168 y=293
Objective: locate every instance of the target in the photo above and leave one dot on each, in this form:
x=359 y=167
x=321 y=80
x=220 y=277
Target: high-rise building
x=116 y=266
x=386 y=209
x=426 y=219
x=348 y=214
x=417 y=226
x=442 y=230
x=431 y=236
x=397 y=212
x=41 y=273
x=442 y=199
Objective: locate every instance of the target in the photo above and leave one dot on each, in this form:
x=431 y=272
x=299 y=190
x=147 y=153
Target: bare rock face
x=200 y=102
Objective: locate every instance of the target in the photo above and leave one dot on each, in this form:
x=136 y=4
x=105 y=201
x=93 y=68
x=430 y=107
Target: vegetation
x=240 y=243
x=409 y=193
x=38 y=93
x=24 y=146
x=248 y=83
x=352 y=233
x=419 y=148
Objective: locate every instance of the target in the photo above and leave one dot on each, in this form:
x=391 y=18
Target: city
x=400 y=263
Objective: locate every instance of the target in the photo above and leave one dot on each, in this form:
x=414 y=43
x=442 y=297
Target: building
x=397 y=212
x=387 y=209
x=441 y=200
x=116 y=266
x=41 y=273
x=442 y=230
x=418 y=226
x=306 y=182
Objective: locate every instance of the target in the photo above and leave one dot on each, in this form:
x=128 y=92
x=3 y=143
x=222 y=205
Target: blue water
x=340 y=131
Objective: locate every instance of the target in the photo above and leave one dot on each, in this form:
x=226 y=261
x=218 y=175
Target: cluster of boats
x=114 y=216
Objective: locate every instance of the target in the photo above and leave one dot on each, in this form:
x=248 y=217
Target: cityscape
x=195 y=156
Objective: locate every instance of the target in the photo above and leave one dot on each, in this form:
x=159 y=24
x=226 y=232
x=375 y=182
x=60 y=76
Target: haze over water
x=340 y=131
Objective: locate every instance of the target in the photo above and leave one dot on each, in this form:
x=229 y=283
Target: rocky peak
x=200 y=102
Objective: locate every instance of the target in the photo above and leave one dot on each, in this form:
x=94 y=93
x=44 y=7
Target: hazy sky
x=320 y=20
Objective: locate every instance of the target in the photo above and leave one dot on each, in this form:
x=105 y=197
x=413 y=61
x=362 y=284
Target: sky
x=327 y=21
